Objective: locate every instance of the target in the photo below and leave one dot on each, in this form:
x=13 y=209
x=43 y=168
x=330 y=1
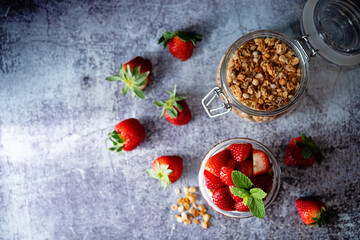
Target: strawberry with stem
x=135 y=75
x=167 y=169
x=180 y=43
x=175 y=109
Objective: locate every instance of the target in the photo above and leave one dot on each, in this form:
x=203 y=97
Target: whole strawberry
x=302 y=152
x=222 y=198
x=127 y=135
x=135 y=74
x=175 y=109
x=167 y=169
x=311 y=211
x=240 y=152
x=212 y=182
x=181 y=43
x=217 y=161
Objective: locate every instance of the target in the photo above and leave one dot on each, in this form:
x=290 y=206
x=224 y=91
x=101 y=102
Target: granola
x=263 y=74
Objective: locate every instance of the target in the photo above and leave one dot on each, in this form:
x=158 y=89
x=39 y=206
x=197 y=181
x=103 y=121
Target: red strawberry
x=264 y=182
x=236 y=198
x=261 y=163
x=212 y=182
x=225 y=176
x=175 y=109
x=180 y=43
x=246 y=167
x=311 y=211
x=240 y=206
x=302 y=152
x=135 y=74
x=127 y=135
x=167 y=169
x=222 y=198
x=217 y=161
x=232 y=164
x=145 y=66
x=240 y=152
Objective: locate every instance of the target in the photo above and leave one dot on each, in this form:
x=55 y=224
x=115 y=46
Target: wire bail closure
x=306 y=40
x=217 y=92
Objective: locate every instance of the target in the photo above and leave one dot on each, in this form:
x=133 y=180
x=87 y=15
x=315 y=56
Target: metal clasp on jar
x=313 y=51
x=216 y=92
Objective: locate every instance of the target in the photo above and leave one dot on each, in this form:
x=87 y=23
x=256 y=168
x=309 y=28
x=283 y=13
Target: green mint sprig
x=252 y=197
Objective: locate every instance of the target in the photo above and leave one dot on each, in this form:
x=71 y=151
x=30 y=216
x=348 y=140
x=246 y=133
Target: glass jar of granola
x=264 y=74
x=261 y=77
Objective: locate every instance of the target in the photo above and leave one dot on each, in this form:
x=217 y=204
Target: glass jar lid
x=332 y=27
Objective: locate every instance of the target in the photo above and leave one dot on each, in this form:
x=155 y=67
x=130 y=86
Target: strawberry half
x=240 y=206
x=240 y=152
x=175 y=109
x=225 y=176
x=135 y=74
x=261 y=163
x=311 y=211
x=181 y=43
x=217 y=161
x=302 y=152
x=212 y=182
x=246 y=167
x=127 y=135
x=167 y=169
x=222 y=198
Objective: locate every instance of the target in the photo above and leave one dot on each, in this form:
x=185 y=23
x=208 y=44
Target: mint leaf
x=256 y=207
x=240 y=180
x=239 y=192
x=257 y=193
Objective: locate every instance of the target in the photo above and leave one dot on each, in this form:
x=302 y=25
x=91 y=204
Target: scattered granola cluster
x=263 y=74
x=189 y=210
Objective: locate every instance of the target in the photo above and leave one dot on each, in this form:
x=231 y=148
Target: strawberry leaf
x=116 y=140
x=113 y=78
x=161 y=173
x=139 y=93
x=171 y=104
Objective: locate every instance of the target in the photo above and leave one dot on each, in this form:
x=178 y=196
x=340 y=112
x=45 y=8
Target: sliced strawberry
x=261 y=163
x=216 y=162
x=246 y=167
x=225 y=176
x=222 y=198
x=212 y=182
x=263 y=181
x=232 y=164
x=240 y=152
x=236 y=198
x=240 y=206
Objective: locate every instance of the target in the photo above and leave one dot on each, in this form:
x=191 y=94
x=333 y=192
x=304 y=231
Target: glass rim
x=294 y=46
x=257 y=145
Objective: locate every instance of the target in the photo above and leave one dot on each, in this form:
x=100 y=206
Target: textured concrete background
x=59 y=181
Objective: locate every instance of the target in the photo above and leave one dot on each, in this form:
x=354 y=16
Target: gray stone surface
x=59 y=181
